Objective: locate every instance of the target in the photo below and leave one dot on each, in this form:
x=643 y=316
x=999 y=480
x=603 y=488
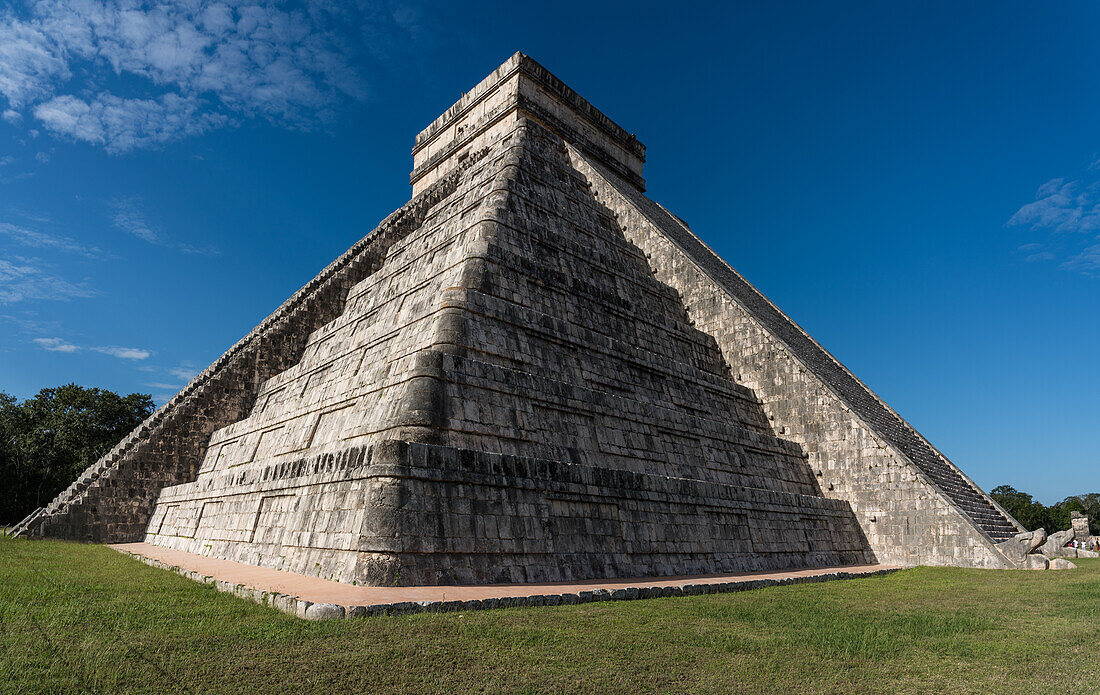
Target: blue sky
x=917 y=184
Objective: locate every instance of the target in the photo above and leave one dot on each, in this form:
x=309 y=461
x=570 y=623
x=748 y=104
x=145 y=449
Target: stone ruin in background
x=1037 y=550
x=531 y=372
x=1080 y=525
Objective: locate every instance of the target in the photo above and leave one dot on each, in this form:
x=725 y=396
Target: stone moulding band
x=528 y=67
x=537 y=72
x=399 y=459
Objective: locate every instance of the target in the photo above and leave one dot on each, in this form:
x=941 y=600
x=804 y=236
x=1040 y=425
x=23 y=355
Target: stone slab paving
x=316 y=598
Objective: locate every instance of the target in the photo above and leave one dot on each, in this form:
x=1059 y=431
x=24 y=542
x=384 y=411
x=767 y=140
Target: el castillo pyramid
x=530 y=372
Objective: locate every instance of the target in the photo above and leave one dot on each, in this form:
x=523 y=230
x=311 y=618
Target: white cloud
x=183 y=372
x=124 y=353
x=130 y=218
x=17 y=177
x=162 y=386
x=28 y=322
x=1065 y=217
x=29 y=60
x=55 y=345
x=1035 y=252
x=29 y=278
x=37 y=239
x=6 y=160
x=1062 y=207
x=193 y=66
x=1087 y=261
x=119 y=125
x=12 y=116
x=43 y=157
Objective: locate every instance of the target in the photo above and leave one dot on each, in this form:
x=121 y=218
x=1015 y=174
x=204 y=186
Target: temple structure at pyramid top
x=531 y=372
x=522 y=89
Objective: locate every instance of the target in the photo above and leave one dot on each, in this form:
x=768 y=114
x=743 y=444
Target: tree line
x=1033 y=514
x=48 y=440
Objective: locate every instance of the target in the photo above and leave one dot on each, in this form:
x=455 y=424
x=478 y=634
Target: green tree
x=1054 y=518
x=1027 y=511
x=47 y=441
x=1089 y=505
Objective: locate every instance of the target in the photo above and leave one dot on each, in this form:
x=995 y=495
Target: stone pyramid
x=530 y=372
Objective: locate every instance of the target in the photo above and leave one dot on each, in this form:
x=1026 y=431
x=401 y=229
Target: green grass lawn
x=83 y=618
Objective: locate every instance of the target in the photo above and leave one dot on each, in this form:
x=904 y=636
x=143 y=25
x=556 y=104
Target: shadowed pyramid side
x=537 y=407
x=915 y=506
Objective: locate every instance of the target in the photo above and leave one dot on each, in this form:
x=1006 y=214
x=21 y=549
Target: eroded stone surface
x=531 y=372
x=1055 y=545
x=1037 y=562
x=324 y=611
x=1080 y=525
x=1016 y=549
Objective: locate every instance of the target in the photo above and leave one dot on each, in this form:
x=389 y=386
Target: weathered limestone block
x=1017 y=548
x=1055 y=545
x=1036 y=537
x=1036 y=562
x=1080 y=525
x=1062 y=564
x=324 y=611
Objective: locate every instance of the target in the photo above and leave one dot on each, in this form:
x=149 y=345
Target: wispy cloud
x=29 y=322
x=1035 y=252
x=17 y=177
x=1062 y=206
x=130 y=217
x=122 y=353
x=55 y=345
x=26 y=236
x=31 y=278
x=1064 y=222
x=1087 y=261
x=184 y=372
x=189 y=67
x=162 y=386
x=120 y=124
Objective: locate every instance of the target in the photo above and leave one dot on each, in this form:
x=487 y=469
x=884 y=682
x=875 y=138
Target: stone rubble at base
x=1035 y=550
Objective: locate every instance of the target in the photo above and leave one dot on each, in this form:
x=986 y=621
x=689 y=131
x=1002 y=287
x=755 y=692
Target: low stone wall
x=302 y=608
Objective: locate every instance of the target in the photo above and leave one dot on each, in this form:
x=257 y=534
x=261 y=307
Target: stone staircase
x=23 y=525
x=104 y=484
x=862 y=401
